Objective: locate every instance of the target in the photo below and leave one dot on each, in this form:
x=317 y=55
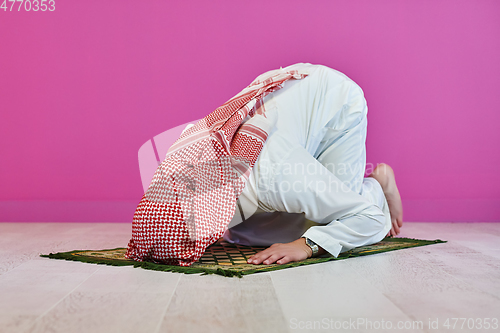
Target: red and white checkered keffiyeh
x=192 y=196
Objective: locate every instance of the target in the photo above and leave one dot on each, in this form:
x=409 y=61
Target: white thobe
x=309 y=177
x=308 y=180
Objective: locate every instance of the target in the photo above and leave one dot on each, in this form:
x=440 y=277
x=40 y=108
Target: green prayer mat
x=228 y=259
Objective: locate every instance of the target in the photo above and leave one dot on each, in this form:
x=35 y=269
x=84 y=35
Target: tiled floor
x=426 y=286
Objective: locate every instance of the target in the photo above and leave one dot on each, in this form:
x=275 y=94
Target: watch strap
x=314 y=247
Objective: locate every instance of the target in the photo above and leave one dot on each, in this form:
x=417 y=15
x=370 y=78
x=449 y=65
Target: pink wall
x=83 y=87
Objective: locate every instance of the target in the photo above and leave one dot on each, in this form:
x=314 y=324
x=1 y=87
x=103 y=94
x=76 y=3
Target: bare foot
x=384 y=174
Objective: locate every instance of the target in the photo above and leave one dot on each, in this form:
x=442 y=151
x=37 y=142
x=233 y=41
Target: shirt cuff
x=330 y=245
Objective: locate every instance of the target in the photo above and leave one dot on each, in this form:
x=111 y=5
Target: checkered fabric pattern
x=192 y=196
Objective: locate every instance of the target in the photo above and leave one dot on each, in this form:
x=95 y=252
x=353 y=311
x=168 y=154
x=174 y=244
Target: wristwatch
x=314 y=247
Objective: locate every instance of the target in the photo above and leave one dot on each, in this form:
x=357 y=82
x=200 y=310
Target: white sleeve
x=364 y=228
x=349 y=219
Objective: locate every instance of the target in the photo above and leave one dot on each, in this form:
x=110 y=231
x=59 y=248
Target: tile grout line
x=65 y=296
x=383 y=294
x=287 y=327
x=168 y=304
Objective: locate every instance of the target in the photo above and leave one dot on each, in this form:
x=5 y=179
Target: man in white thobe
x=307 y=190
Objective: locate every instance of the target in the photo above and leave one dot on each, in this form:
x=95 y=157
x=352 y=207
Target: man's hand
x=282 y=253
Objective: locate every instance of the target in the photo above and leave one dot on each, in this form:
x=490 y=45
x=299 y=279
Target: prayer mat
x=228 y=259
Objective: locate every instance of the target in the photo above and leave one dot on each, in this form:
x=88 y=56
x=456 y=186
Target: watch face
x=313 y=246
